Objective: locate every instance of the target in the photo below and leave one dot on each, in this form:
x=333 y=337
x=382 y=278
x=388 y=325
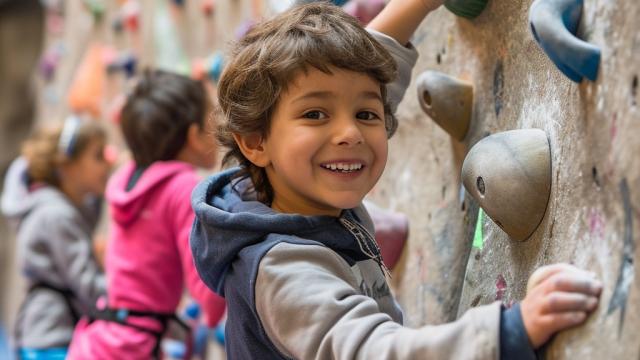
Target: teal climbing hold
x=466 y=8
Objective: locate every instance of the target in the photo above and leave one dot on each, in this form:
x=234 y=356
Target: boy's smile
x=327 y=145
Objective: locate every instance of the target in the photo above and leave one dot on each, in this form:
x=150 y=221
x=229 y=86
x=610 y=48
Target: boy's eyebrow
x=368 y=95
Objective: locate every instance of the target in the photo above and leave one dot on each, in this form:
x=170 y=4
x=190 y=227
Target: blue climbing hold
x=215 y=66
x=554 y=24
x=218 y=333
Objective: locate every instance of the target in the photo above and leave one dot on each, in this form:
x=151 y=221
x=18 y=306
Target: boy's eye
x=318 y=115
x=367 y=115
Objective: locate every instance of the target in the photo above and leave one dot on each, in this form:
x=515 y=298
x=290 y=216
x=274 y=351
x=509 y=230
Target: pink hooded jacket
x=148 y=260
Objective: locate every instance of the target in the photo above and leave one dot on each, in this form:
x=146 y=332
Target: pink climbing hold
x=364 y=10
x=208 y=7
x=392 y=231
x=501 y=287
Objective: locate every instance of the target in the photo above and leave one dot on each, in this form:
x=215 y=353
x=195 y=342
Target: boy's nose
x=348 y=133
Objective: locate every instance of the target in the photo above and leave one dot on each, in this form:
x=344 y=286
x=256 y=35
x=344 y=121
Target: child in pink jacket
x=148 y=260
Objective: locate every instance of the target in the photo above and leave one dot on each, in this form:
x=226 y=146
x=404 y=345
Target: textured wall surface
x=592 y=219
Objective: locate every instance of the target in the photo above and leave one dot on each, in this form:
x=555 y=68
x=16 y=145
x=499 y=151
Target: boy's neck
x=303 y=209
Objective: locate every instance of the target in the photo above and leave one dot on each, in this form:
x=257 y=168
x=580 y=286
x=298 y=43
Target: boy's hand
x=559 y=296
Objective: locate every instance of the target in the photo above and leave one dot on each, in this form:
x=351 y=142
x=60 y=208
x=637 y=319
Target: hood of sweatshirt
x=125 y=205
x=229 y=219
x=19 y=198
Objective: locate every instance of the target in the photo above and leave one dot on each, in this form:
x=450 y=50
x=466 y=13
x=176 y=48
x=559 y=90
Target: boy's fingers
x=543 y=273
x=573 y=282
x=564 y=320
x=563 y=302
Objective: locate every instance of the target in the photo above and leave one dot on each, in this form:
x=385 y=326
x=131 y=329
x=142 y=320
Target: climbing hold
x=208 y=7
x=214 y=66
x=125 y=62
x=130 y=12
x=50 y=60
x=244 y=28
x=554 y=24
x=335 y=2
x=198 y=70
x=96 y=7
x=466 y=8
x=117 y=24
x=364 y=10
x=509 y=174
x=447 y=100
x=392 y=231
x=86 y=92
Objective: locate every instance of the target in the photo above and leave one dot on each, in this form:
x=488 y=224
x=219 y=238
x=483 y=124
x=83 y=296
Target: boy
x=284 y=237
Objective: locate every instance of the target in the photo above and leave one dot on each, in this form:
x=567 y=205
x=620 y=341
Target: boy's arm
x=308 y=306
x=400 y=18
x=392 y=28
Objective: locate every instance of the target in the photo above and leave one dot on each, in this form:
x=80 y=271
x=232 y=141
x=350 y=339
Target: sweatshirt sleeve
x=212 y=304
x=72 y=254
x=514 y=341
x=309 y=308
x=405 y=57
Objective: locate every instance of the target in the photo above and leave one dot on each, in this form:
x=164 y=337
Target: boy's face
x=327 y=145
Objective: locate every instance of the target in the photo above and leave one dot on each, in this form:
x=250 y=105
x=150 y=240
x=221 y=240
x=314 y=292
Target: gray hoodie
x=54 y=247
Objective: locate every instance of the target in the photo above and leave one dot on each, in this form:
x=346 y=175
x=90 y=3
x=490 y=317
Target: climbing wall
x=455 y=259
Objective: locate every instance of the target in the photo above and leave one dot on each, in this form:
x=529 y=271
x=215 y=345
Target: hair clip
x=69 y=134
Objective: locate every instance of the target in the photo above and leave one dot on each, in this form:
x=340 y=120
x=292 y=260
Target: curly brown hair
x=44 y=156
x=267 y=59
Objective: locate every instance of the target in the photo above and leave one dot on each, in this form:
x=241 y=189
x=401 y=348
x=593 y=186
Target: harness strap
x=121 y=315
x=66 y=294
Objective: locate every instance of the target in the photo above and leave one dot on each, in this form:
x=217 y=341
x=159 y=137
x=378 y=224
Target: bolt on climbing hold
x=554 y=24
x=466 y=8
x=447 y=100
x=509 y=174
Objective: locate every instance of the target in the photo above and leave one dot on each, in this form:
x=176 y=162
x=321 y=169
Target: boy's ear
x=194 y=138
x=252 y=147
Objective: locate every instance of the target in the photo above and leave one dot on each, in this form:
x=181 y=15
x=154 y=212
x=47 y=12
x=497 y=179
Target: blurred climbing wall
x=92 y=51
x=594 y=209
x=593 y=215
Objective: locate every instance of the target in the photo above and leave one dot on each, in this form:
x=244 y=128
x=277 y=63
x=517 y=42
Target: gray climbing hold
x=509 y=174
x=447 y=100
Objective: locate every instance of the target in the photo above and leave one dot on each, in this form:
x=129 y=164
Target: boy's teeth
x=343 y=167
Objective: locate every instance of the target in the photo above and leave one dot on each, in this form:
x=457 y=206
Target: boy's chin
x=344 y=204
